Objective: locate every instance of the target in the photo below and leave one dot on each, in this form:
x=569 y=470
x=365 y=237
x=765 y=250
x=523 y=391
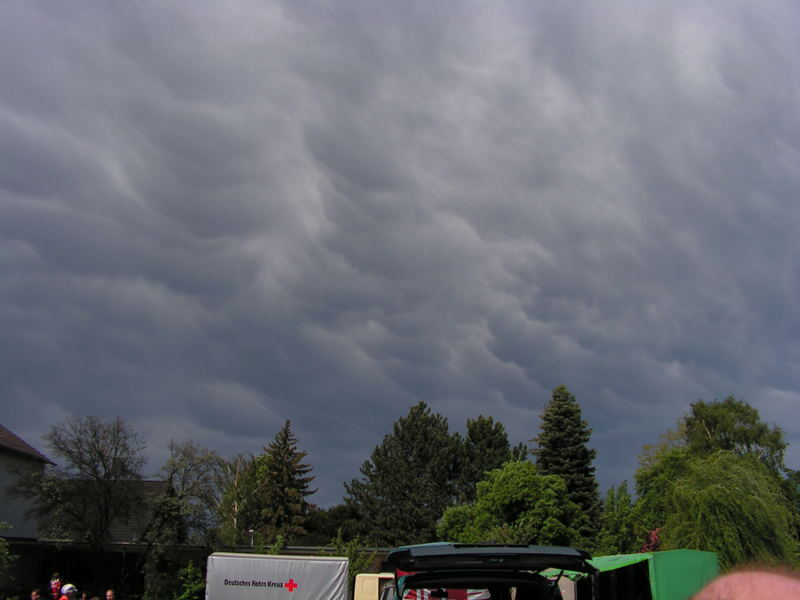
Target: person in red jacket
x=55 y=586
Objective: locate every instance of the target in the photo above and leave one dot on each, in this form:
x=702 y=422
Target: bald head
x=752 y=585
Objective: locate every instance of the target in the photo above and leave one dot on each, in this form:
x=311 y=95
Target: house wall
x=12 y=510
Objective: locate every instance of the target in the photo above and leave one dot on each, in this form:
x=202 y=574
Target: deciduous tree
x=735 y=426
x=717 y=482
x=514 y=505
x=184 y=512
x=238 y=508
x=99 y=463
x=95 y=484
x=733 y=506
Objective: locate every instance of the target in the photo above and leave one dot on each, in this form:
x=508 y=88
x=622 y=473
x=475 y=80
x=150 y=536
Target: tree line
x=717 y=481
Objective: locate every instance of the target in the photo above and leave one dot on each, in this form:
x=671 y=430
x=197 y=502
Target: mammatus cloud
x=215 y=220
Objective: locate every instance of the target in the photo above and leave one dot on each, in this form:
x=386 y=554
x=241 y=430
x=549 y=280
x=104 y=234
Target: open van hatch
x=445 y=571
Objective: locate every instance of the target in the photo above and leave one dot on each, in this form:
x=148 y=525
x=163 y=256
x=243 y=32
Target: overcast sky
x=218 y=216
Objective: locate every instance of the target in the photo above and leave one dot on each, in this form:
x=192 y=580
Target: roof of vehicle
x=448 y=557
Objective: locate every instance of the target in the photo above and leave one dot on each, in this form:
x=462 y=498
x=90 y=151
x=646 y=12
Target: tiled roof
x=131 y=529
x=9 y=441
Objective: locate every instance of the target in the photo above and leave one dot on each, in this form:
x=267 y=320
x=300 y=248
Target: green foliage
x=285 y=481
x=266 y=494
x=731 y=505
x=515 y=505
x=358 y=561
x=325 y=524
x=484 y=448
x=6 y=559
x=278 y=545
x=408 y=482
x=562 y=450
x=238 y=510
x=191 y=583
x=735 y=426
x=653 y=482
x=618 y=532
x=716 y=483
x=520 y=452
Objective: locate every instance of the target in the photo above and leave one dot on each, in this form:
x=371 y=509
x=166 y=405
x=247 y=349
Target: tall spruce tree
x=562 y=450
x=285 y=480
x=408 y=482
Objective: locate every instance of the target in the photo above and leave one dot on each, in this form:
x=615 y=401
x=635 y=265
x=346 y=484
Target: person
x=69 y=592
x=110 y=595
x=752 y=584
x=36 y=594
x=55 y=586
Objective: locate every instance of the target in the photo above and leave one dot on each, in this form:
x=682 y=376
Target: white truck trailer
x=233 y=576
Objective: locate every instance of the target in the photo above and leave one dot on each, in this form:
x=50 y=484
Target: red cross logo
x=291 y=585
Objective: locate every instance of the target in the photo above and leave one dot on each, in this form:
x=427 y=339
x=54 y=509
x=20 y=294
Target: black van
x=444 y=571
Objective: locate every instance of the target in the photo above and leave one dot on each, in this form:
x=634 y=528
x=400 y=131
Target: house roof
x=130 y=530
x=14 y=443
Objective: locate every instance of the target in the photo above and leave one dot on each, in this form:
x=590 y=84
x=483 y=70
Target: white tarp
x=266 y=577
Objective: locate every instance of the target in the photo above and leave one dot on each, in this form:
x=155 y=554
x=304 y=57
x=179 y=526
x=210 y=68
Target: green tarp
x=609 y=563
x=678 y=574
x=672 y=574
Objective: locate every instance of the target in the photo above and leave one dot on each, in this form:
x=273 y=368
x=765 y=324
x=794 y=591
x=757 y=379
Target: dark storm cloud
x=219 y=218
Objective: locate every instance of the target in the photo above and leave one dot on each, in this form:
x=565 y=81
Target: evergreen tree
x=520 y=452
x=327 y=524
x=408 y=482
x=617 y=533
x=285 y=480
x=562 y=450
x=484 y=448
